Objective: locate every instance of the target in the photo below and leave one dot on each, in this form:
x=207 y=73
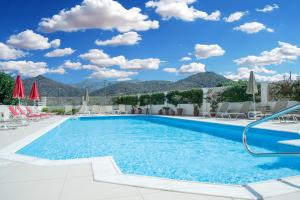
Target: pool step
x=291 y=142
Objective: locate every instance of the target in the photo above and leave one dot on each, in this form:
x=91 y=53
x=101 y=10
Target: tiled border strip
x=106 y=170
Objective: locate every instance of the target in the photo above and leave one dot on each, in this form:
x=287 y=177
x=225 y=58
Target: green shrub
x=157 y=98
x=236 y=92
x=145 y=99
x=45 y=109
x=174 y=97
x=60 y=111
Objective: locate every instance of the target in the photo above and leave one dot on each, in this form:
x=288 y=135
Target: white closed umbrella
x=252 y=88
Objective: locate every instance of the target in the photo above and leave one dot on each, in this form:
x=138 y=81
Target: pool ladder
x=271 y=117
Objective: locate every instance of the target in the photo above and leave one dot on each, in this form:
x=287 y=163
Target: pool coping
x=106 y=170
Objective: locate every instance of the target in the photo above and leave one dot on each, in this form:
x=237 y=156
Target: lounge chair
x=17 y=118
x=28 y=115
x=30 y=112
x=243 y=112
x=223 y=109
x=279 y=106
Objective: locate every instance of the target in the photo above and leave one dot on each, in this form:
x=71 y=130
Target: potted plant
x=140 y=110
x=166 y=110
x=133 y=101
x=213 y=99
x=144 y=100
x=175 y=98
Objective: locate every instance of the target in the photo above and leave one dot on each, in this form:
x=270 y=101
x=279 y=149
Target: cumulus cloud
x=252 y=27
x=185 y=58
x=203 y=51
x=261 y=74
x=236 y=16
x=28 y=68
x=101 y=59
x=268 y=8
x=8 y=53
x=191 y=68
x=124 y=79
x=98 y=57
x=60 y=52
x=129 y=38
x=72 y=65
x=98 y=14
x=112 y=73
x=55 y=43
x=148 y=63
x=285 y=52
x=30 y=41
x=181 y=9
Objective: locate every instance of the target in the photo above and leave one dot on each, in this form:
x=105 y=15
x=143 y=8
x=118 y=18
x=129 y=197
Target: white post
x=264 y=93
x=205 y=104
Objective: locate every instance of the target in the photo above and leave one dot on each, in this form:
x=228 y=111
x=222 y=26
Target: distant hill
x=200 y=80
x=133 y=87
x=48 y=87
x=93 y=84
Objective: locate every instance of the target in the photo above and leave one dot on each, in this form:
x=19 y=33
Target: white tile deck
x=75 y=179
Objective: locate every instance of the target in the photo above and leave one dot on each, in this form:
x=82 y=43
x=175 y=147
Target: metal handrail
x=276 y=115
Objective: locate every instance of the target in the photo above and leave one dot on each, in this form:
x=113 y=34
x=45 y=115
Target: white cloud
x=261 y=74
x=285 y=52
x=203 y=51
x=129 y=38
x=60 y=52
x=191 y=68
x=181 y=9
x=7 y=52
x=124 y=79
x=252 y=27
x=112 y=73
x=171 y=70
x=98 y=57
x=71 y=65
x=185 y=58
x=30 y=41
x=148 y=63
x=268 y=8
x=98 y=14
x=28 y=68
x=236 y=16
x=101 y=59
x=55 y=43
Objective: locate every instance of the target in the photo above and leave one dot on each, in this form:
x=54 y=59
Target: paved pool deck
x=20 y=181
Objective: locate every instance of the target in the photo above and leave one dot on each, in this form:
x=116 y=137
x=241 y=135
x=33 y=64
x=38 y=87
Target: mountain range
x=48 y=87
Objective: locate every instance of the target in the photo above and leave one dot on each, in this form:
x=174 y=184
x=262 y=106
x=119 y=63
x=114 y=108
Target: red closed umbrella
x=19 y=92
x=34 y=93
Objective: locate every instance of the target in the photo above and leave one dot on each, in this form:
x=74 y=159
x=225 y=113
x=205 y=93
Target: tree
x=236 y=92
x=145 y=100
x=174 y=98
x=157 y=98
x=6 y=89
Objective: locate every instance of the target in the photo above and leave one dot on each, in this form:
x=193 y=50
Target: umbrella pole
x=254 y=106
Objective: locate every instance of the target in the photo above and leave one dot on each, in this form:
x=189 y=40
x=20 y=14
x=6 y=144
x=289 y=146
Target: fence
x=75 y=101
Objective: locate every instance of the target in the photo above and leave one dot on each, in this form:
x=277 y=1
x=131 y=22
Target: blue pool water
x=169 y=148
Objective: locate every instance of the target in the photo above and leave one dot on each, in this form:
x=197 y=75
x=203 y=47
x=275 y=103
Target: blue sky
x=151 y=41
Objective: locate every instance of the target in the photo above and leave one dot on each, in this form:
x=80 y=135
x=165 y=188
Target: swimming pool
x=169 y=148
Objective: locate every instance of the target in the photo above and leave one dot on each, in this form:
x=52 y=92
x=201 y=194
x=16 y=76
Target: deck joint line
x=253 y=192
x=289 y=183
